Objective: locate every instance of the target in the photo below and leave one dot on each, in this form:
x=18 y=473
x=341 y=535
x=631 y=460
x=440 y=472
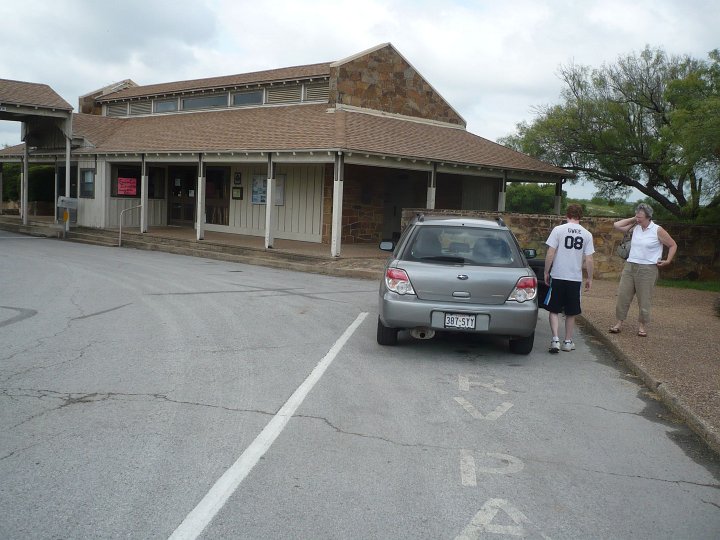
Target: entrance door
x=217 y=196
x=398 y=194
x=183 y=190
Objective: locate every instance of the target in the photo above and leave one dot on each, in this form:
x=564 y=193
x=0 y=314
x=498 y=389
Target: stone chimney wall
x=384 y=81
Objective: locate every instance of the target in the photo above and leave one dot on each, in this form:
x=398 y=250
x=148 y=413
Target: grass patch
x=713 y=286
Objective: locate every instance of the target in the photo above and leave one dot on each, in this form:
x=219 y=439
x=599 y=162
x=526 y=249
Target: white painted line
x=464 y=383
x=469 y=408
x=467 y=468
x=492 y=416
x=210 y=505
x=499 y=411
x=483 y=521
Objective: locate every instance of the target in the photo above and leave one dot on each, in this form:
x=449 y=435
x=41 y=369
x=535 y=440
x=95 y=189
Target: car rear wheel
x=385 y=335
x=522 y=345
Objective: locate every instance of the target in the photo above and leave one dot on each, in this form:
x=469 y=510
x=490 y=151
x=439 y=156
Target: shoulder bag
x=623 y=249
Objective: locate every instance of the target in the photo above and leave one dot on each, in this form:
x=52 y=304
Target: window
x=73 y=181
x=248 y=98
x=126 y=182
x=205 y=102
x=166 y=105
x=156 y=183
x=87 y=183
x=217 y=195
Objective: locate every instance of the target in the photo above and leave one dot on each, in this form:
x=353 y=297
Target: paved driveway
x=146 y=394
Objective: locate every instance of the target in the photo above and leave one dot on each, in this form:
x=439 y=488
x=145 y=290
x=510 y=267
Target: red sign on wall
x=127 y=186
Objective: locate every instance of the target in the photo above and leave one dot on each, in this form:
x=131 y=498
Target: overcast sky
x=494 y=61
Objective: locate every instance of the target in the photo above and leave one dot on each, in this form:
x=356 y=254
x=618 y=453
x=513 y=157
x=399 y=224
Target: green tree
x=530 y=198
x=40 y=187
x=11 y=181
x=695 y=123
x=619 y=126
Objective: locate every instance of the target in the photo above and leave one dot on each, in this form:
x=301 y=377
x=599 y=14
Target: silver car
x=458 y=275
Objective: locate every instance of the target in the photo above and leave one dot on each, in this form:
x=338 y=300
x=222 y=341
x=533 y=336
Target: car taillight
x=398 y=281
x=525 y=289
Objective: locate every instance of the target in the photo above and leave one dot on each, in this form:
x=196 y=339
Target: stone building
x=328 y=152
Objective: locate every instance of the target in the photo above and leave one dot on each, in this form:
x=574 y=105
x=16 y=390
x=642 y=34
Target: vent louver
x=141 y=107
x=284 y=94
x=317 y=92
x=117 y=109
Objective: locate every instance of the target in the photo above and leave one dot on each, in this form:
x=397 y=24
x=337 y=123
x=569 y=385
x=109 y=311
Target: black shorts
x=564 y=296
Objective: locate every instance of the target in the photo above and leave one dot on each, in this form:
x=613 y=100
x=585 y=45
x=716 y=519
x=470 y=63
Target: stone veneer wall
x=364 y=198
x=698 y=255
x=363 y=206
x=384 y=81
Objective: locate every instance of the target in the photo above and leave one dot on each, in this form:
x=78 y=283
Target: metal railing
x=121 y=221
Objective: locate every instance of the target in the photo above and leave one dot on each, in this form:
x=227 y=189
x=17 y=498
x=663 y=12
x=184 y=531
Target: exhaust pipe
x=422 y=332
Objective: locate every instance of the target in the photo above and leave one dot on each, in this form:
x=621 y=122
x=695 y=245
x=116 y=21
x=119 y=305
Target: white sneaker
x=554 y=346
x=568 y=345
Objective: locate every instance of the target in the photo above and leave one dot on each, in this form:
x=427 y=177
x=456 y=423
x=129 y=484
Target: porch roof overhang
x=301 y=134
x=45 y=116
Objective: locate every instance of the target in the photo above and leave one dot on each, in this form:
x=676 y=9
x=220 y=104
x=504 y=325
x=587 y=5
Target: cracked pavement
x=134 y=380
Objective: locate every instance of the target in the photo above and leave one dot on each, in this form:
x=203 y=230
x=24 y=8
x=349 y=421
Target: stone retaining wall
x=698 y=255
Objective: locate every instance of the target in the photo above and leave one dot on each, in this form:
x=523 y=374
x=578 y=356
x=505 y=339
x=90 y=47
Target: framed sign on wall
x=259 y=189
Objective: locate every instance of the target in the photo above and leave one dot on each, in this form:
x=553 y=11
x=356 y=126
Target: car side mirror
x=530 y=253
x=387 y=245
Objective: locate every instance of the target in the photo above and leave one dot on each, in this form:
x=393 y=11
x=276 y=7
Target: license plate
x=459 y=320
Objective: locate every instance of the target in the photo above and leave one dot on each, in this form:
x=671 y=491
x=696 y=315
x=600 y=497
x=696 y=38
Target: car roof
x=460 y=222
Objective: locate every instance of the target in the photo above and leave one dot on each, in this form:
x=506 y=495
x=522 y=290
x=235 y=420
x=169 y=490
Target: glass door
x=183 y=190
x=217 y=198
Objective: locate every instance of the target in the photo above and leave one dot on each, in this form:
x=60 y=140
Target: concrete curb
x=707 y=433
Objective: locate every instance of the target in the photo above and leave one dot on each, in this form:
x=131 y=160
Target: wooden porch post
x=68 y=140
x=143 y=197
x=55 y=181
x=558 y=196
x=200 y=213
x=503 y=192
x=24 y=185
x=336 y=232
x=270 y=204
x=432 y=187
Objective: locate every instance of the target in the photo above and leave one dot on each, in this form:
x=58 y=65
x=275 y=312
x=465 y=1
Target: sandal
x=614 y=330
x=642 y=333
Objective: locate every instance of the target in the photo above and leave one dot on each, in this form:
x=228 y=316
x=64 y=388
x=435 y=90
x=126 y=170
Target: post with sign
x=67 y=204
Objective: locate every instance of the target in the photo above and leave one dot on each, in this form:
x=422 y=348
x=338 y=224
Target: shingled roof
x=305 y=72
x=31 y=95
x=297 y=128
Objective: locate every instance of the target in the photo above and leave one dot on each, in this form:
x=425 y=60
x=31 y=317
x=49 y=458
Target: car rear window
x=462 y=245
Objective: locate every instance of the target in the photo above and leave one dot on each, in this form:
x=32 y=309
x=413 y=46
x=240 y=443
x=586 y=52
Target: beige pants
x=636 y=279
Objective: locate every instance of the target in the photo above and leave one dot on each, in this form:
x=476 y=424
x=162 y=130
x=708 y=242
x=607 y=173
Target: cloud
x=493 y=61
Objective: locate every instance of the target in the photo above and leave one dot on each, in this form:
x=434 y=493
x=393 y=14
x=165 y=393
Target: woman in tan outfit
x=641 y=268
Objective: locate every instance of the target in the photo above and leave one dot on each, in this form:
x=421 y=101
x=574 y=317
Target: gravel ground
x=680 y=357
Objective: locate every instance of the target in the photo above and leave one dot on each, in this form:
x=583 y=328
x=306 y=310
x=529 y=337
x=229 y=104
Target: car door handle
x=461 y=294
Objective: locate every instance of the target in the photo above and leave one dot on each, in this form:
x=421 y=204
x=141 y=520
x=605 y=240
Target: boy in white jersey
x=569 y=245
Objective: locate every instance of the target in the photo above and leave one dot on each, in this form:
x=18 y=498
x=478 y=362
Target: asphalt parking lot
x=149 y=394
